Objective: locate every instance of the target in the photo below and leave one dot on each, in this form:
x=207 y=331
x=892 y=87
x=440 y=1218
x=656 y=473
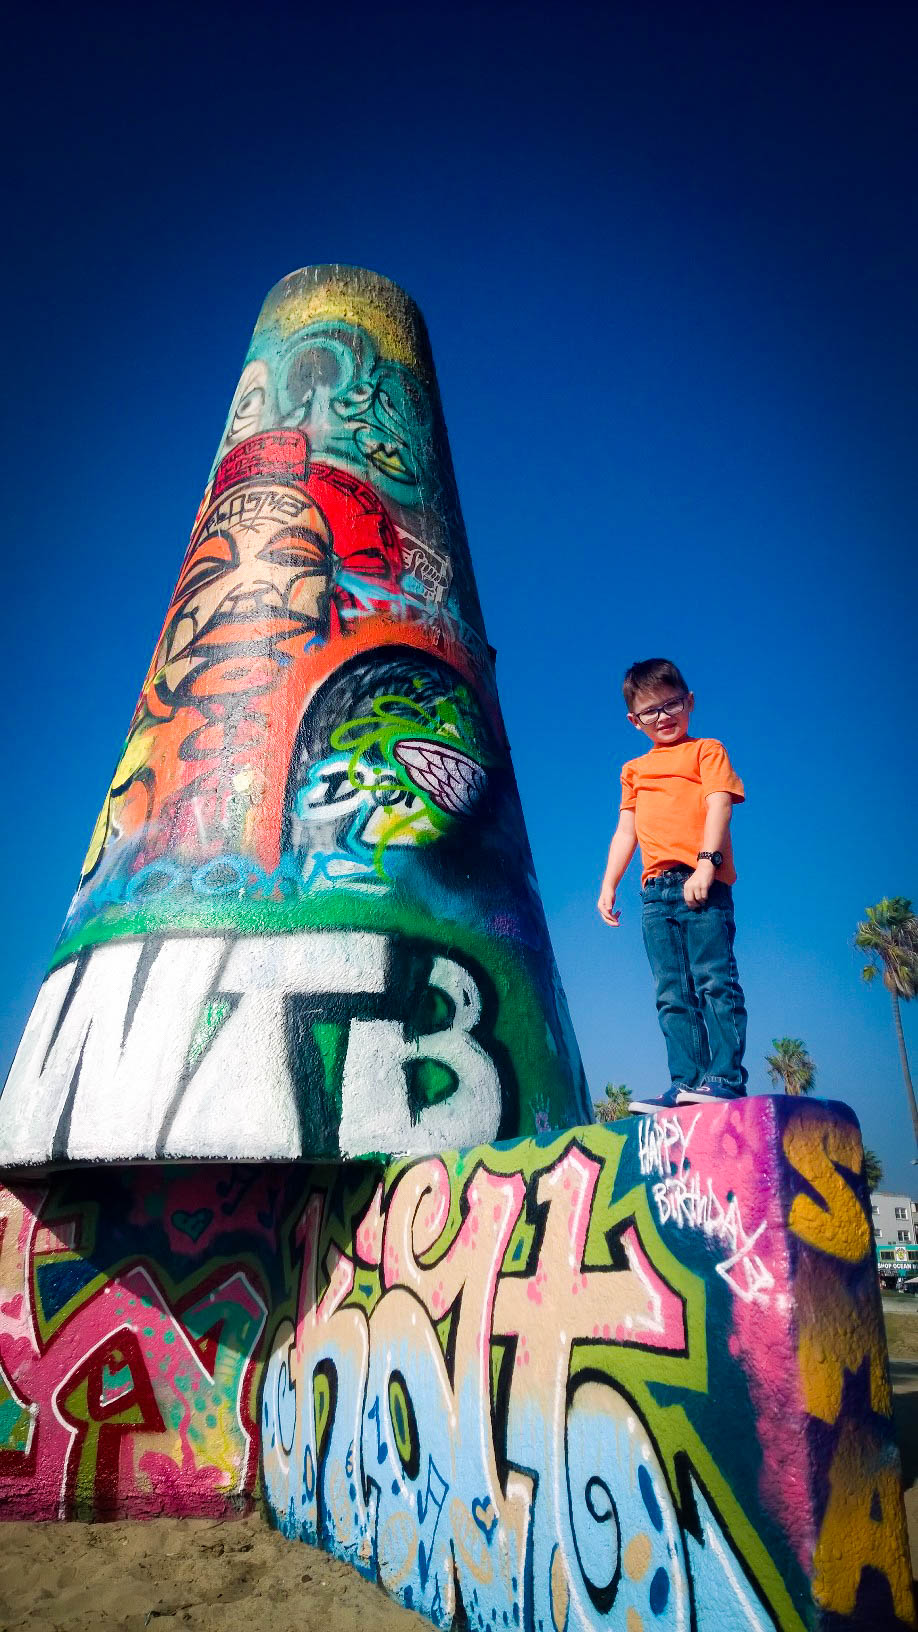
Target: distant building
x=895 y=1229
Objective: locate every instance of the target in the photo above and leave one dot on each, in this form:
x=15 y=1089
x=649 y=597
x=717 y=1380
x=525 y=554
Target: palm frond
x=791 y=1065
x=888 y=937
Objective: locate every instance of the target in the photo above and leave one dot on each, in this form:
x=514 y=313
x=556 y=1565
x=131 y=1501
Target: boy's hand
x=606 y=905
x=696 y=887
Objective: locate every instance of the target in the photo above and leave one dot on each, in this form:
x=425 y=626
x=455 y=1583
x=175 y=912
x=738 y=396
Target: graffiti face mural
x=356 y=406
x=317 y=752
x=261 y=557
x=629 y=1377
x=255 y=591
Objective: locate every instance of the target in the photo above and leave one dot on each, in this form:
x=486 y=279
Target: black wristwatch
x=716 y=856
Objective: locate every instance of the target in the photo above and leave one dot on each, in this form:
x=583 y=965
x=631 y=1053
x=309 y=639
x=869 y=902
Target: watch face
x=717 y=857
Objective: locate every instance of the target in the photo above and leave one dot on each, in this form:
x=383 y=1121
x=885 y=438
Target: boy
x=677 y=801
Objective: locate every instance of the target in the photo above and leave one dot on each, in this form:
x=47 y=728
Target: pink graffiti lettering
x=138 y=1401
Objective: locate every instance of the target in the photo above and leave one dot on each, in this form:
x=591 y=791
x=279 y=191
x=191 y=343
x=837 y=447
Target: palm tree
x=888 y=937
x=791 y=1065
x=873 y=1169
x=615 y=1105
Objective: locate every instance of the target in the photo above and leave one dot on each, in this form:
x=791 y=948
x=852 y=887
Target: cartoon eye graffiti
x=355 y=400
x=211 y=558
x=247 y=417
x=453 y=780
x=249 y=404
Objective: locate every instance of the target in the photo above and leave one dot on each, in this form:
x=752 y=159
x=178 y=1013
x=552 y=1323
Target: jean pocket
x=721 y=896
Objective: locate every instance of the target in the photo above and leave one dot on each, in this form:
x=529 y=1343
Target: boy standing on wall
x=677 y=801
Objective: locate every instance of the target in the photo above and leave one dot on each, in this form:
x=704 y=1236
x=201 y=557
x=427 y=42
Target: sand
x=234 y=1576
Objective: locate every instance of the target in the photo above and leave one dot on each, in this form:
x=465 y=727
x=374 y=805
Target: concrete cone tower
x=307 y=923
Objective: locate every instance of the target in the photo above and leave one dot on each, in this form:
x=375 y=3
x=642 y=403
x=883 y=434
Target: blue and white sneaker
x=666 y=1102
x=708 y=1091
x=678 y=1095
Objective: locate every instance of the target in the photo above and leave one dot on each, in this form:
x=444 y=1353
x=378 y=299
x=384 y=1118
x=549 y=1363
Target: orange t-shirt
x=667 y=788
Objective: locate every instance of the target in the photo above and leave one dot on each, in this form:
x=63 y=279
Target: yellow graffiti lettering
x=813 y=1145
x=863 y=1526
x=838 y=1331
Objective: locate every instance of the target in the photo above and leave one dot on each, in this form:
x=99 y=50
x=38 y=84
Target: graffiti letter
x=380 y=1052
x=214 y=1117
x=104 y=1050
x=862 y=1526
x=309 y=1473
x=838 y=1330
x=814 y=1144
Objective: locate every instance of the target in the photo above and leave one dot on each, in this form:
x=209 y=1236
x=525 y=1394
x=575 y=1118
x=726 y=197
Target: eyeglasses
x=673 y=705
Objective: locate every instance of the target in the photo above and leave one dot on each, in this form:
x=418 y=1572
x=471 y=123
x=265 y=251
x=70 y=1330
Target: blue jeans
x=699 y=998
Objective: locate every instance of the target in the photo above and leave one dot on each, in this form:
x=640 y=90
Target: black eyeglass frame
x=673 y=706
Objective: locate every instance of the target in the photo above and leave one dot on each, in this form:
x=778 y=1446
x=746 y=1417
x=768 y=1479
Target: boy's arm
x=716 y=827
x=622 y=848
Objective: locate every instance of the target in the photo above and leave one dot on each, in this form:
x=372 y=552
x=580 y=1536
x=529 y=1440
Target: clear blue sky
x=667 y=256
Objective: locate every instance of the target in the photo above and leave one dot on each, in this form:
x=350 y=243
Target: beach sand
x=218 y=1576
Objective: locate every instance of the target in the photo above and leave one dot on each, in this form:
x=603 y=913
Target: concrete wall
x=307 y=922
x=629 y=1377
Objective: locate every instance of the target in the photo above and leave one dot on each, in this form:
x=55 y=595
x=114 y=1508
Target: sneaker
x=678 y=1095
x=708 y=1091
x=666 y=1102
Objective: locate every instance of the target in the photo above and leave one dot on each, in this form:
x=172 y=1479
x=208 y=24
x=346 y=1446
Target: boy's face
x=663 y=728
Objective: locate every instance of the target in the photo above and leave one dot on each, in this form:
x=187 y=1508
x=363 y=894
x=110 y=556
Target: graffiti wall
x=133 y=1307
x=311 y=858
x=628 y=1377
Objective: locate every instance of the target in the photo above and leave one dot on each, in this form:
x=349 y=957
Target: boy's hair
x=650 y=675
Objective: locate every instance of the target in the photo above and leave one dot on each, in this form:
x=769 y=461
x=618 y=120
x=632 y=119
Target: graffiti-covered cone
x=307 y=922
